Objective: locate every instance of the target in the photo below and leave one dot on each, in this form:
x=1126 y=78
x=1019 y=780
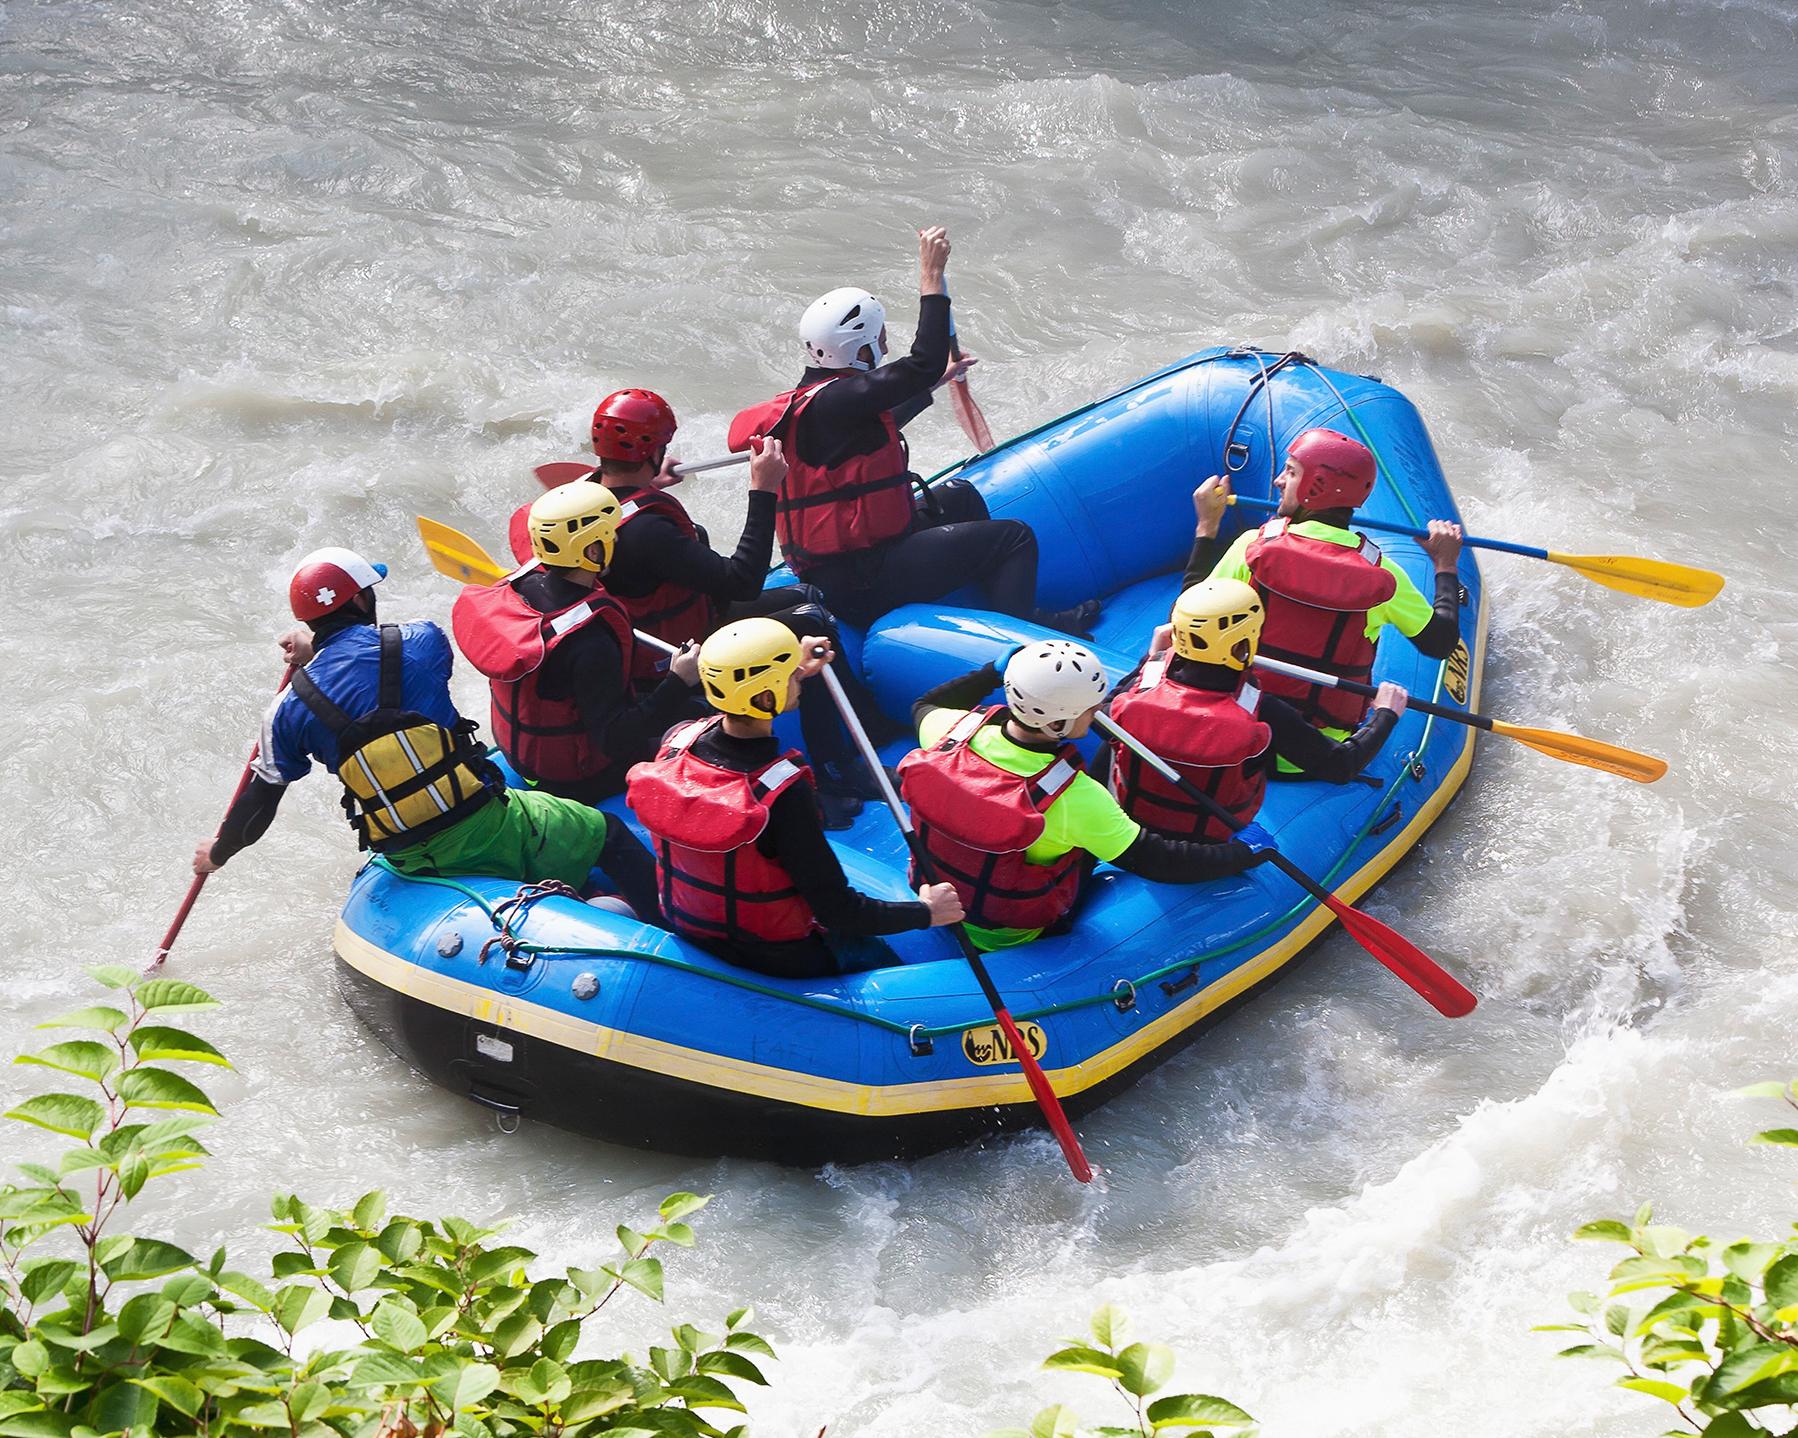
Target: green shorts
x=529 y=836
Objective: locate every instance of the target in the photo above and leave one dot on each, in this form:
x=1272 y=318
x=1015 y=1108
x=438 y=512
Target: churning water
x=282 y=273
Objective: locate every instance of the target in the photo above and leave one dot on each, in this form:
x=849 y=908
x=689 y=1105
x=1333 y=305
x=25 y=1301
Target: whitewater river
x=282 y=273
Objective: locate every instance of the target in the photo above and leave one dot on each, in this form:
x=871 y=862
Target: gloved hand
x=1256 y=840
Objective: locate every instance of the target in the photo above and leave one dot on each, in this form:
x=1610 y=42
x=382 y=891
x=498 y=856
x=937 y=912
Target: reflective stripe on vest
x=1211 y=738
x=977 y=819
x=405 y=777
x=704 y=820
x=1317 y=594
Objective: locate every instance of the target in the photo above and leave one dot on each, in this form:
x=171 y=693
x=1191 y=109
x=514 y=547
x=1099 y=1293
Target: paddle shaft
x=1352 y=686
x=1039 y=1081
x=199 y=880
x=1503 y=546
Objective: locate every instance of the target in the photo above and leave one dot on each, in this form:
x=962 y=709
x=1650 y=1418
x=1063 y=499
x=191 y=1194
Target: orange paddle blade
x=1593 y=753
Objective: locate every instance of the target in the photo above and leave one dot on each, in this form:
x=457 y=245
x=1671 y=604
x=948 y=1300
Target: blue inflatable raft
x=554 y=1010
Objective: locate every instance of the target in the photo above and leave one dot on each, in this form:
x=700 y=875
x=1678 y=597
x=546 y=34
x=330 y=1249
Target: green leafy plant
x=412 y=1326
x=1136 y=1373
x=1710 y=1329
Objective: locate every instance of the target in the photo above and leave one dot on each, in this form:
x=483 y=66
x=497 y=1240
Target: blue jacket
x=347 y=669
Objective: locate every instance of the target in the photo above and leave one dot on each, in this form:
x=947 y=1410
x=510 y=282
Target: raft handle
x=1397 y=813
x=920 y=1043
x=1176 y=986
x=507 y=1115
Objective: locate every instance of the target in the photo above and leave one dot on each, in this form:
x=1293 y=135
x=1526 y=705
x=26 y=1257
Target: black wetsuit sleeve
x=1207 y=549
x=903 y=386
x=1321 y=757
x=629 y=868
x=962 y=692
x=795 y=836
x=668 y=554
x=248 y=819
x=1183 y=861
x=1437 y=639
x=626 y=726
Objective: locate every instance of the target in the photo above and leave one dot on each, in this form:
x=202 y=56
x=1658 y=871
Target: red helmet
x=1336 y=472
x=328 y=579
x=633 y=425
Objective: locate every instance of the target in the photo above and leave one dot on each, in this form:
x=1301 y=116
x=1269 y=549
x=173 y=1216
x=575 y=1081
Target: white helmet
x=1050 y=684
x=835 y=326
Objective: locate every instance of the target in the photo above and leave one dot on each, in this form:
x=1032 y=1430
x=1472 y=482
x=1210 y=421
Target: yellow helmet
x=745 y=667
x=1218 y=621
x=570 y=518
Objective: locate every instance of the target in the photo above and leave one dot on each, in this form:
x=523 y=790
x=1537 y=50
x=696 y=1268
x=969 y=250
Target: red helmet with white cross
x=327 y=579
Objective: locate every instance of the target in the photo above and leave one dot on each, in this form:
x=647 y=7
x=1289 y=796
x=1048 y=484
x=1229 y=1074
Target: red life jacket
x=977 y=819
x=1208 y=737
x=509 y=641
x=1317 y=595
x=704 y=820
x=671 y=611
x=861 y=502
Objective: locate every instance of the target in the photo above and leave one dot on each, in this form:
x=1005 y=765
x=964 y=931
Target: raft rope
x=513 y=911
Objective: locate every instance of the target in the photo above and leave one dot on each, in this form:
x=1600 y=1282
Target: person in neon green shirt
x=1008 y=815
x=1326 y=476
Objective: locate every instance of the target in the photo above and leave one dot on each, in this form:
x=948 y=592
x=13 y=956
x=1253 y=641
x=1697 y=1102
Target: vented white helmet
x=835 y=326
x=1050 y=684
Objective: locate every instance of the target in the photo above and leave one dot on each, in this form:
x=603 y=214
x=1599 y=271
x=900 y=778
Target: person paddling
x=676 y=587
x=372 y=703
x=742 y=863
x=559 y=655
x=1007 y=812
x=1328 y=590
x=1193 y=702
x=846 y=520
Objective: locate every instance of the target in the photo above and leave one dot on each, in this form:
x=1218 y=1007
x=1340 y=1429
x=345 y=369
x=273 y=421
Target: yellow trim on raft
x=891 y=1100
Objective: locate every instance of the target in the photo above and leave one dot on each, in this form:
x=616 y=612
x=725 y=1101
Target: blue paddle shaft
x=1504 y=546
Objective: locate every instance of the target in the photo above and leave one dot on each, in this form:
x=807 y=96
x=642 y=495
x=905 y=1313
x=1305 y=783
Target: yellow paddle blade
x=454 y=554
x=1679 y=584
x=1577 y=749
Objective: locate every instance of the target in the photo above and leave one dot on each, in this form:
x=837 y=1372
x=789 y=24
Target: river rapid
x=283 y=273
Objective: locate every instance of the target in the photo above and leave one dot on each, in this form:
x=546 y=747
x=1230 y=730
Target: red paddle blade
x=968 y=416
x=561 y=471
x=1046 y=1100
x=1445 y=992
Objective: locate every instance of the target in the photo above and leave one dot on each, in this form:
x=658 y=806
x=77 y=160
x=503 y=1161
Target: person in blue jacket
x=371 y=702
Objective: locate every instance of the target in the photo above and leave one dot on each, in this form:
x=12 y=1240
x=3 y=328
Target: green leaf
x=155 y=1043
x=739 y=1316
x=1616 y=1319
x=1731 y=1425
x=473 y=1384
x=631 y=1241
x=1781 y=1282
x=370 y=1211
x=398 y=1326
x=65 y=1113
x=679 y=1205
x=134 y=1172
x=1784 y=1137
x=85 y=1058
x=376 y=1369
x=1607 y=1229
x=159 y=1088
x=702 y=1392
x=241 y=1285
x=1762 y=1090
x=1145 y=1367
x=644 y=1275
x=1583 y=1302
x=1664 y=1241
x=749 y=1343
x=400 y=1241
x=1656 y=1388
x=1194 y=1410
x=498 y=1262
x=147 y=1316
x=1110 y=1325
x=355 y=1266
x=172 y=996
x=516 y=1334
x=1078 y=1358
x=1058 y=1421
x=587 y=1403
x=146 y=1258
x=46 y=1276
x=100 y=1016
x=1644 y=1214
x=114 y=976
x=298 y=1305
x=723 y=1363
x=174 y=1390
x=559 y=1342
x=1748 y=1261
x=1589 y=1350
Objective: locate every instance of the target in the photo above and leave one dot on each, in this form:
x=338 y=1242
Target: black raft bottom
x=520 y=1076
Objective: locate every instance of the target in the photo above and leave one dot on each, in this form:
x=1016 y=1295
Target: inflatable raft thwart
x=547 y=1008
